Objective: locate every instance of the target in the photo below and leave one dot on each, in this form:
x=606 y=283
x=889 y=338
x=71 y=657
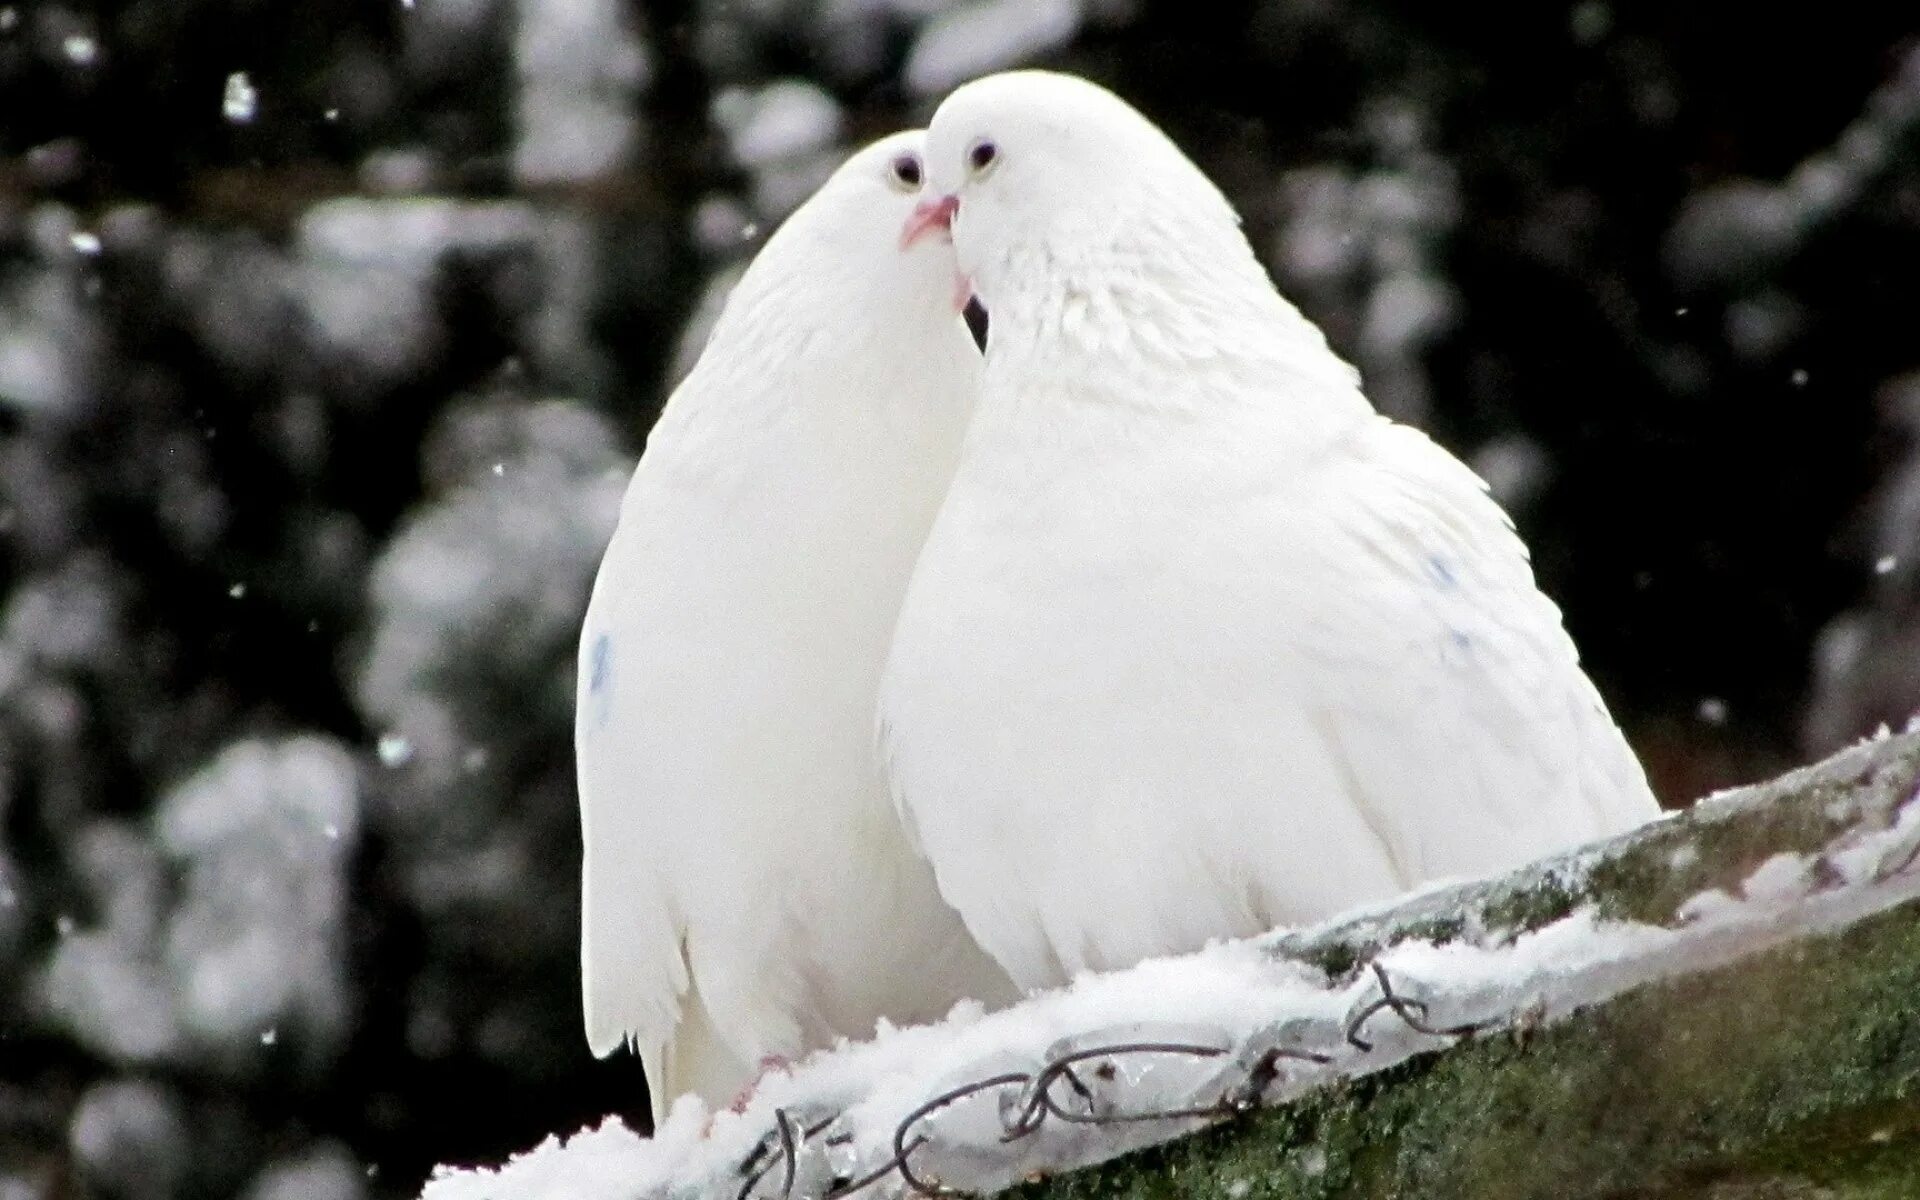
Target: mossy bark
x=1790 y=1074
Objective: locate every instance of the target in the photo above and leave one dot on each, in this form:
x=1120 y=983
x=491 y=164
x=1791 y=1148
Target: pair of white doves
x=1169 y=636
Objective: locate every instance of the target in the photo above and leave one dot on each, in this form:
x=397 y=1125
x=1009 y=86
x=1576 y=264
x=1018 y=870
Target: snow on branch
x=1743 y=972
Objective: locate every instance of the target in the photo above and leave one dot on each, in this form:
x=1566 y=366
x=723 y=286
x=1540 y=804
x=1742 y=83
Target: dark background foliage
x=329 y=331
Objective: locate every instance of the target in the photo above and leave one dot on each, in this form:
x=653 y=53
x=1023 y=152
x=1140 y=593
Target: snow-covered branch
x=1683 y=1003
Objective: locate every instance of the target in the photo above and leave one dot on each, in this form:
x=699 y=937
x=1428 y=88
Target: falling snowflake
x=241 y=100
x=395 y=750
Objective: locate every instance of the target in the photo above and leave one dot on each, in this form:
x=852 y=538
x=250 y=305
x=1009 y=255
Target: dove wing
x=633 y=968
x=1445 y=683
x=653 y=779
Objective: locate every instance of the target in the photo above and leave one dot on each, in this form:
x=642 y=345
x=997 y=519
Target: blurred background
x=329 y=332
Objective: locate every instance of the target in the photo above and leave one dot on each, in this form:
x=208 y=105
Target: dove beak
x=928 y=216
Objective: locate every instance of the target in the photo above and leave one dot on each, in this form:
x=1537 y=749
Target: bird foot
x=769 y=1063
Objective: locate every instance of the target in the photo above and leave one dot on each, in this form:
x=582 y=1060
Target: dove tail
x=693 y=1060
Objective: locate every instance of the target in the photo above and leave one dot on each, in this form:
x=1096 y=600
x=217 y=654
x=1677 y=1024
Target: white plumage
x=1199 y=643
x=747 y=890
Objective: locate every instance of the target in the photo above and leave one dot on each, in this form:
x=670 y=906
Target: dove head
x=1042 y=175
x=848 y=236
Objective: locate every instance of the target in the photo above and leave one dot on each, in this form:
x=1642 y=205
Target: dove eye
x=906 y=172
x=983 y=155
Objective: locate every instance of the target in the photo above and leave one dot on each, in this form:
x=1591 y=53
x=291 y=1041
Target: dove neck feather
x=808 y=300
x=850 y=357
x=1165 y=318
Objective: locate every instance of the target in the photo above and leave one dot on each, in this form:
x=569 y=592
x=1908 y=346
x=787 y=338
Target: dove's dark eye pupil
x=982 y=155
x=906 y=169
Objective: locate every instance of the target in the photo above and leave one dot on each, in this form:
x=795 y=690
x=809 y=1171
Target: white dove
x=1200 y=644
x=747 y=892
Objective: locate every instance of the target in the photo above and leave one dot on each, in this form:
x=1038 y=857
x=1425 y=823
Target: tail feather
x=633 y=973
x=693 y=1060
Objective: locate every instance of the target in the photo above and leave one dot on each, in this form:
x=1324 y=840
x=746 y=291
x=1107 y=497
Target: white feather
x=747 y=890
x=1199 y=643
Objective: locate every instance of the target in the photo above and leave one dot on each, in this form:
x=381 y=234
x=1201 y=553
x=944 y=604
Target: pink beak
x=928 y=216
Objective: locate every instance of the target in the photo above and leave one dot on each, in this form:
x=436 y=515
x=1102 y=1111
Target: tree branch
x=1722 y=1005
x=1789 y=1071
